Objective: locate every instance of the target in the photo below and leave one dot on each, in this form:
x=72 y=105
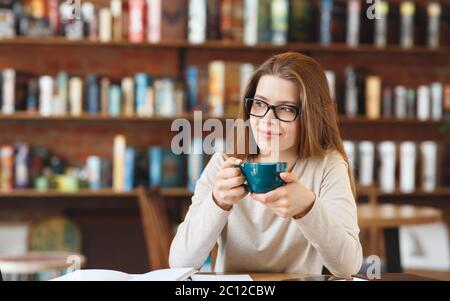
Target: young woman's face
x=271 y=134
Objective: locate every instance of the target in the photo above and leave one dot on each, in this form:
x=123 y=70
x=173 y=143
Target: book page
x=178 y=274
x=94 y=275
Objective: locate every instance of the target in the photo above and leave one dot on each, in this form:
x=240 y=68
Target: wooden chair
x=156 y=229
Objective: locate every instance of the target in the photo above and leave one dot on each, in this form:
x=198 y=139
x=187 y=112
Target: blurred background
x=89 y=90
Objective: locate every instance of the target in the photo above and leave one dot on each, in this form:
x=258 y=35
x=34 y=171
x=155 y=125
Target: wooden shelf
x=223 y=45
x=24 y=116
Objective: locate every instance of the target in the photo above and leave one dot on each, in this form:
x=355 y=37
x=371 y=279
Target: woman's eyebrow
x=284 y=102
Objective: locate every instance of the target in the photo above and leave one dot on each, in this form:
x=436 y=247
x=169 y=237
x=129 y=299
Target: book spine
x=232 y=88
x=62 y=87
x=366 y=162
x=92 y=94
x=179 y=100
x=105 y=173
x=105 y=26
x=76 y=96
x=400 y=102
x=164 y=97
x=155 y=168
x=192 y=88
x=172 y=169
x=353 y=17
x=128 y=96
x=407 y=166
x=373 y=97
x=90 y=21
x=93 y=168
x=104 y=95
x=436 y=101
x=381 y=24
x=280 y=21
x=195 y=163
x=245 y=74
x=411 y=103
x=154 y=21
x=53 y=16
x=213 y=20
x=387 y=169
x=326 y=9
x=250 y=22
x=434 y=15
x=264 y=21
x=9 y=94
x=141 y=80
x=115 y=101
x=428 y=151
x=119 y=163
x=423 y=103
x=129 y=169
x=22 y=166
x=300 y=20
x=6 y=168
x=226 y=19
x=32 y=95
x=407 y=11
x=216 y=88
x=45 y=95
x=116 y=19
x=238 y=20
x=387 y=103
x=197 y=21
x=136 y=21
x=351 y=92
x=150 y=102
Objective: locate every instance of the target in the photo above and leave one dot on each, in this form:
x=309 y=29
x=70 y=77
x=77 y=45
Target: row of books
x=249 y=21
x=405 y=165
x=140 y=95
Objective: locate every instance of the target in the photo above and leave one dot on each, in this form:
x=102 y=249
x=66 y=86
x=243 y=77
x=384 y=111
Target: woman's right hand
x=228 y=188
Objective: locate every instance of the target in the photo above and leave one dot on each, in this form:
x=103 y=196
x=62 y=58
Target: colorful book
x=115 y=100
x=436 y=100
x=353 y=22
x=90 y=21
x=213 y=20
x=32 y=95
x=216 y=96
x=141 y=168
x=62 y=88
x=105 y=173
x=128 y=96
x=434 y=16
x=136 y=21
x=119 y=163
x=250 y=22
x=373 y=97
x=45 y=95
x=129 y=168
x=264 y=21
x=117 y=20
x=164 y=97
x=167 y=20
x=381 y=23
x=173 y=170
x=411 y=103
x=7 y=22
x=232 y=88
x=407 y=11
x=76 y=96
x=238 y=20
x=93 y=170
x=9 y=91
x=197 y=21
x=280 y=21
x=326 y=10
x=387 y=103
x=155 y=166
x=92 y=94
x=104 y=95
x=192 y=82
x=105 y=25
x=141 y=83
x=22 y=166
x=6 y=168
x=226 y=20
x=300 y=20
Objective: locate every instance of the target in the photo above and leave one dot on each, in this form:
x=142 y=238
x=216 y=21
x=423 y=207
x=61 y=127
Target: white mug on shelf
x=407 y=166
x=386 y=150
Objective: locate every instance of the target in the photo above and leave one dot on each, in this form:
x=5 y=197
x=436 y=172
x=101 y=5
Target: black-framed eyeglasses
x=259 y=108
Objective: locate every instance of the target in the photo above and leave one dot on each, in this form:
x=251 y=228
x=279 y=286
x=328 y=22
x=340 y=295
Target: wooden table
x=389 y=218
x=283 y=276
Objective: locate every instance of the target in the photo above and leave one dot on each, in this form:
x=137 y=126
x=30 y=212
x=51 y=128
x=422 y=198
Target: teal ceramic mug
x=262 y=177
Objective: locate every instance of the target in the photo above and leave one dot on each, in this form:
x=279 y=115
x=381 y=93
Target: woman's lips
x=268 y=134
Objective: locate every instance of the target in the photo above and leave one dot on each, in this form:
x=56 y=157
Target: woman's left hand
x=290 y=200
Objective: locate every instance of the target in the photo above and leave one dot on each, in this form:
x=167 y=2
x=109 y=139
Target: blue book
x=155 y=166
x=93 y=164
x=141 y=81
x=32 y=95
x=114 y=100
x=326 y=10
x=173 y=170
x=129 y=169
x=92 y=94
x=192 y=87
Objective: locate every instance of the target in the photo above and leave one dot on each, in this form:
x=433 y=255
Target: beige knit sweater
x=253 y=239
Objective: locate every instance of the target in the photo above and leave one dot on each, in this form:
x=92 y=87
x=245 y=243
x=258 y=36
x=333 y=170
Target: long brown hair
x=319 y=131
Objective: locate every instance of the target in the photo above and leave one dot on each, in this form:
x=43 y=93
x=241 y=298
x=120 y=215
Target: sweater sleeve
x=331 y=225
x=204 y=221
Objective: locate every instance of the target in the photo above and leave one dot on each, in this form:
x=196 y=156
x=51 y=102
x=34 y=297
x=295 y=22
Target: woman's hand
x=290 y=200
x=228 y=188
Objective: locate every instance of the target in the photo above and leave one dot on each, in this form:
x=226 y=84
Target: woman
x=309 y=222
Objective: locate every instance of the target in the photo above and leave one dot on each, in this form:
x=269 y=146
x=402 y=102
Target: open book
x=178 y=274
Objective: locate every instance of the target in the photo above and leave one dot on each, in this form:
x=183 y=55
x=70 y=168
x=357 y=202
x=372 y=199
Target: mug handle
x=240 y=167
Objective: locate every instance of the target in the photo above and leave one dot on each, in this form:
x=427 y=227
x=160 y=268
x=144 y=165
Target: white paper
x=201 y=277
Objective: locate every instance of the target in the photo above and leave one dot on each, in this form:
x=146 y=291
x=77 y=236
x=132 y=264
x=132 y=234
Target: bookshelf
x=76 y=137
